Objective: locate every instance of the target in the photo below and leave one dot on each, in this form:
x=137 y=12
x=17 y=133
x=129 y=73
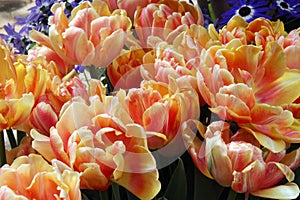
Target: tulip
x=241 y=165
x=91 y=26
x=15 y=102
x=242 y=83
x=95 y=142
x=154 y=19
x=31 y=177
x=123 y=72
x=54 y=64
x=155 y=100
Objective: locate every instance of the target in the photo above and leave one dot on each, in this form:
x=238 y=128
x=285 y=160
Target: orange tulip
x=101 y=147
x=242 y=83
x=31 y=177
x=241 y=165
x=129 y=5
x=100 y=34
x=260 y=31
x=154 y=100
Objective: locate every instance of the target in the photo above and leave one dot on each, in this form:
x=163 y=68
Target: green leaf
x=103 y=195
x=205 y=187
x=115 y=192
x=177 y=188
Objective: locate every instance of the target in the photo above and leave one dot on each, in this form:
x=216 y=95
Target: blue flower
x=249 y=10
x=79 y=69
x=288 y=8
x=15 y=39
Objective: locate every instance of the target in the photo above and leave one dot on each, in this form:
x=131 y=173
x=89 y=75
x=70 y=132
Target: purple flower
x=37 y=19
x=79 y=69
x=288 y=8
x=15 y=39
x=249 y=10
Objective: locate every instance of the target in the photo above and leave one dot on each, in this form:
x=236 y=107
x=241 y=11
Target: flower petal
x=287 y=191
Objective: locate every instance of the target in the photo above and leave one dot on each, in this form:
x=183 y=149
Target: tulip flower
x=100 y=34
x=154 y=100
x=240 y=86
x=16 y=100
x=92 y=141
x=155 y=20
x=31 y=177
x=45 y=113
x=129 y=5
x=54 y=64
x=241 y=165
x=124 y=71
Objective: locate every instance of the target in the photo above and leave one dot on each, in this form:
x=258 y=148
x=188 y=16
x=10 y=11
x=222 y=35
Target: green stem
x=88 y=82
x=103 y=195
x=11 y=138
x=2 y=150
x=232 y=195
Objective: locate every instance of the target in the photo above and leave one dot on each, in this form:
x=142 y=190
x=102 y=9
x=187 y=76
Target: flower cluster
x=166 y=86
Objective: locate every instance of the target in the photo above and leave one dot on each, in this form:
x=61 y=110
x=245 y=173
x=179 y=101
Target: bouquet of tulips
x=151 y=99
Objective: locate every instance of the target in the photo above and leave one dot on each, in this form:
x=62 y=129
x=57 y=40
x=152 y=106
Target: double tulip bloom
x=241 y=165
x=21 y=83
x=31 y=177
x=102 y=146
x=99 y=33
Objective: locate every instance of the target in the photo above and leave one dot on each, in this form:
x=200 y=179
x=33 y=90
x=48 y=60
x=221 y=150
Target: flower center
x=284 y=5
x=244 y=11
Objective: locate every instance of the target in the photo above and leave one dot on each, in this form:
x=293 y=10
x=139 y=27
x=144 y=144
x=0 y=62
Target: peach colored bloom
x=156 y=100
x=100 y=34
x=260 y=31
x=31 y=177
x=124 y=71
x=50 y=61
x=291 y=46
x=20 y=84
x=100 y=146
x=241 y=165
x=129 y=5
x=240 y=82
x=45 y=113
x=162 y=18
